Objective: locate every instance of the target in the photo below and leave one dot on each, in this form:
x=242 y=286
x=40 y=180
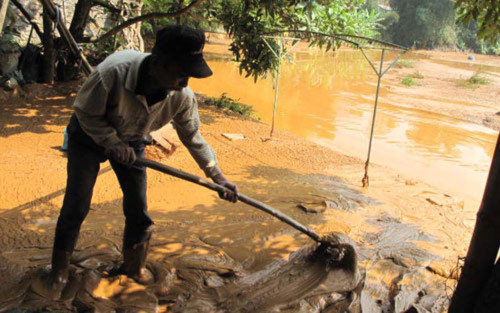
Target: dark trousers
x=84 y=158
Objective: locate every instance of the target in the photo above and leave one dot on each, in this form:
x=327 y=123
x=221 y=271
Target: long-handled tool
x=213 y=186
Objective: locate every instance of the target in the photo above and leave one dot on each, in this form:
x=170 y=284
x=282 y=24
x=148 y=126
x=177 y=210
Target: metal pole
x=484 y=245
x=366 y=180
x=277 y=85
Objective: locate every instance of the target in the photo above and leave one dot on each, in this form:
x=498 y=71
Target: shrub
x=225 y=102
x=474 y=81
x=408 y=81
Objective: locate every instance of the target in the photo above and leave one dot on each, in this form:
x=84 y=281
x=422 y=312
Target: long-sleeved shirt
x=110 y=111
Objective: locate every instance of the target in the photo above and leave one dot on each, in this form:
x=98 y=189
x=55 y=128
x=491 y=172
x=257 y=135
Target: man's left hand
x=231 y=195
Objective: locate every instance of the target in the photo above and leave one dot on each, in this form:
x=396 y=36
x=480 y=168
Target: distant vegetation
x=474 y=81
x=405 y=64
x=417 y=75
x=430 y=24
x=409 y=79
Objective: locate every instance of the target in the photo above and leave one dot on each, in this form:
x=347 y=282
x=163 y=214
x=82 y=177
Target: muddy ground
x=441 y=87
x=222 y=257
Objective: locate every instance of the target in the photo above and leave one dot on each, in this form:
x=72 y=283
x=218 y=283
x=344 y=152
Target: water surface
x=329 y=99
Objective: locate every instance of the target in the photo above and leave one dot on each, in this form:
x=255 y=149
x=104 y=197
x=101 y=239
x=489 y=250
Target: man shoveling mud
x=128 y=95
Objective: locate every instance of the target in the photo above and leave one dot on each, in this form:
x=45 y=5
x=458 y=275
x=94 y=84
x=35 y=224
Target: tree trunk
x=80 y=18
x=132 y=35
x=4 y=4
x=178 y=19
x=49 y=52
x=483 y=249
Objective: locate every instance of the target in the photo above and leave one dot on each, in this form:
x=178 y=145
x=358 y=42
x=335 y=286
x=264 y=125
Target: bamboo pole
x=484 y=245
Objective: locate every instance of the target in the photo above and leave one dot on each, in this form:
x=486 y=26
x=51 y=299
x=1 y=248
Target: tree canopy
x=245 y=22
x=485 y=12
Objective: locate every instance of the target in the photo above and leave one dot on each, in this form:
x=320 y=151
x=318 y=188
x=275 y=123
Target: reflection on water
x=329 y=99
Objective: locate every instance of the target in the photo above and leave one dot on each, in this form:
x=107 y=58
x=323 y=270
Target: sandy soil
x=442 y=90
x=407 y=232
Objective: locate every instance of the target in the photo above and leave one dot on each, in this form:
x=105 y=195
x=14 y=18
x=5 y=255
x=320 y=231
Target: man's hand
x=121 y=153
x=229 y=196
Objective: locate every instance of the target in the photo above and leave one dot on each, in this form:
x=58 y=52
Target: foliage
x=424 y=24
x=474 y=81
x=405 y=64
x=246 y=21
x=485 y=12
x=387 y=18
x=468 y=40
x=225 y=102
x=199 y=17
x=408 y=81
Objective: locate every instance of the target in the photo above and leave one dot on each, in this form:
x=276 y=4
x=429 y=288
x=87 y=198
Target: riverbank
x=443 y=85
x=409 y=234
x=431 y=131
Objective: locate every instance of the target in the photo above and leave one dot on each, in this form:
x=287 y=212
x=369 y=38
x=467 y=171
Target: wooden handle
x=216 y=187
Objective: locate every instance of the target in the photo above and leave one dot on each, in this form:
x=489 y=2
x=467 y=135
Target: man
x=127 y=96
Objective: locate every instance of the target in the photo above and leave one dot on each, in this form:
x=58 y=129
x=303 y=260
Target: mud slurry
x=314 y=278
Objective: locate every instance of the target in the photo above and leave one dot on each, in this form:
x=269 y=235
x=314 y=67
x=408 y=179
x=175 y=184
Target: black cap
x=184 y=45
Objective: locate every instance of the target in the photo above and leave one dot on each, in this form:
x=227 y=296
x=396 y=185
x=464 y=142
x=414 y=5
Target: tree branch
x=28 y=17
x=147 y=17
x=105 y=5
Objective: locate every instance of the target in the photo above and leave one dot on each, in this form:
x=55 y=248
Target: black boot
x=134 y=262
x=60 y=266
x=51 y=284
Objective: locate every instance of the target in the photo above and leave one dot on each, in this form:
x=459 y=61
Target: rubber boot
x=60 y=266
x=134 y=262
x=51 y=284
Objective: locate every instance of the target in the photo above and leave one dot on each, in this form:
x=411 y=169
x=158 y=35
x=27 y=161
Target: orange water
x=330 y=99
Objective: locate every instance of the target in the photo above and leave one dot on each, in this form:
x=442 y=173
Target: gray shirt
x=110 y=112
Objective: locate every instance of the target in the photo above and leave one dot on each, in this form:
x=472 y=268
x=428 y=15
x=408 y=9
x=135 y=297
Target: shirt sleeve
x=90 y=109
x=187 y=125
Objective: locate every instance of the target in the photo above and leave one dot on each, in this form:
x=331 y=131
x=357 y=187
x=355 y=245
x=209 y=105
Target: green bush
x=225 y=102
x=474 y=81
x=408 y=81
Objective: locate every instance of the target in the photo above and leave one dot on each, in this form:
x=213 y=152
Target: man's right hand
x=121 y=153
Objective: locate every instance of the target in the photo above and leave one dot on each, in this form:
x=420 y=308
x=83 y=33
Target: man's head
x=178 y=55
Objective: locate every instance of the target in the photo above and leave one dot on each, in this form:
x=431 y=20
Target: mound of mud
x=316 y=278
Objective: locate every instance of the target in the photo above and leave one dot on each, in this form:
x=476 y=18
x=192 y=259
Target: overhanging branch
x=28 y=16
x=106 y=5
x=147 y=17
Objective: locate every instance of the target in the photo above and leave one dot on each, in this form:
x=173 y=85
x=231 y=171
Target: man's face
x=167 y=75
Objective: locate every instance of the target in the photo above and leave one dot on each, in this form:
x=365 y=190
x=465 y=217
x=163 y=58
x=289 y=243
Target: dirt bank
x=408 y=234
